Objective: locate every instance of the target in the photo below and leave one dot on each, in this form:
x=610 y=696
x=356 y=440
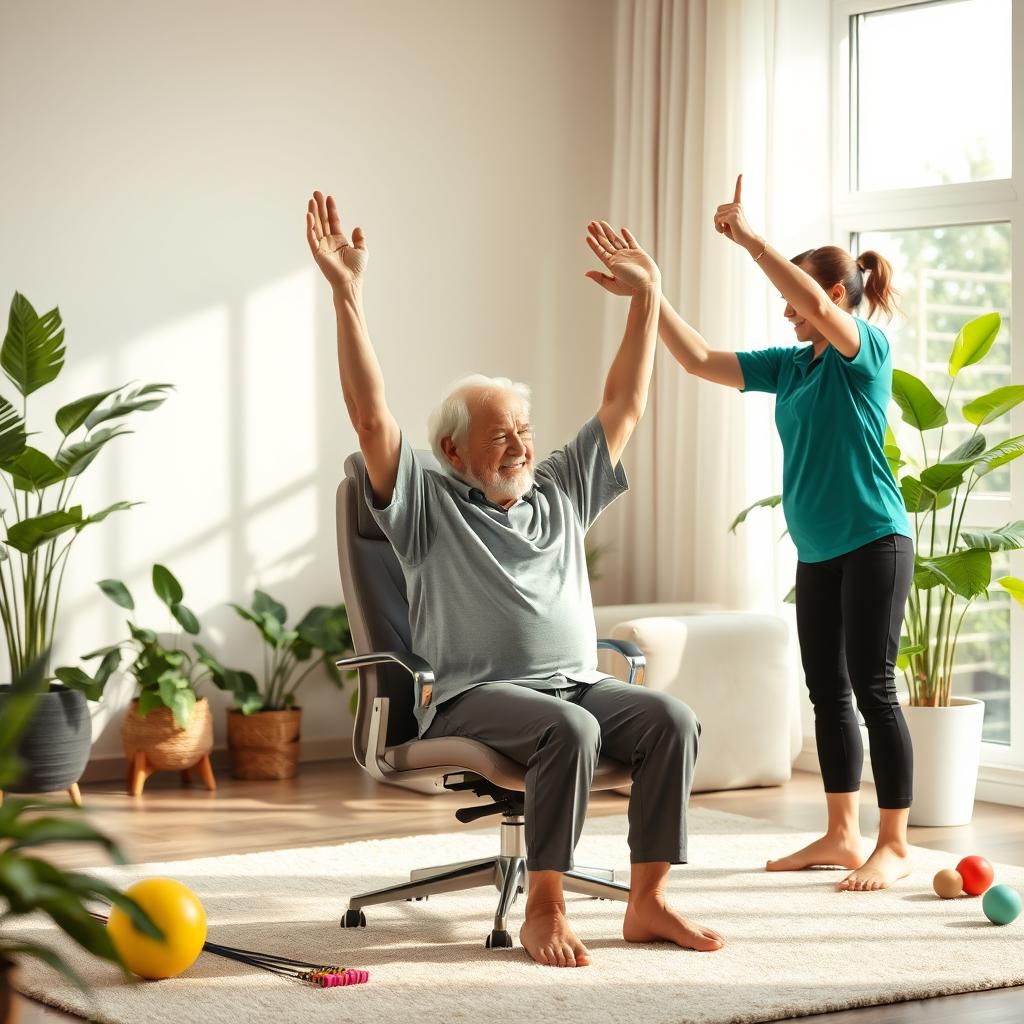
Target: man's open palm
x=630 y=267
x=341 y=261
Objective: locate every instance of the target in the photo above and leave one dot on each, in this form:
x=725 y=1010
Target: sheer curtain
x=695 y=104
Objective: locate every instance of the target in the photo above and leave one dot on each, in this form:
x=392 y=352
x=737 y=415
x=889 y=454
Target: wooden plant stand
x=74 y=793
x=139 y=770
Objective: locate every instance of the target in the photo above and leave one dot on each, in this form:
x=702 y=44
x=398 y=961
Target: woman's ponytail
x=878 y=288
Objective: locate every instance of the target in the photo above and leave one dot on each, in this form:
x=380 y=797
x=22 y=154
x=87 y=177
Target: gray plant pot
x=56 y=743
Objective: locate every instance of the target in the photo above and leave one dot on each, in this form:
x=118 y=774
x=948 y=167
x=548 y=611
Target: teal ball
x=1001 y=904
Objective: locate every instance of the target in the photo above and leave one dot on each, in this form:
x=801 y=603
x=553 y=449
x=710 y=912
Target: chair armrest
x=422 y=674
x=631 y=653
x=420 y=670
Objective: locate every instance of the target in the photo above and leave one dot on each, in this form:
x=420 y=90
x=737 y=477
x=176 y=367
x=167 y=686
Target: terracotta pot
x=265 y=744
x=166 y=745
x=10 y=1001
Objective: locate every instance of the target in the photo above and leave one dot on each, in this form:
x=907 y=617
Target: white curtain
x=695 y=95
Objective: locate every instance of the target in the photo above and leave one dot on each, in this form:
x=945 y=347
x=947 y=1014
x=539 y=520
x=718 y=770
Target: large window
x=932 y=94
x=925 y=175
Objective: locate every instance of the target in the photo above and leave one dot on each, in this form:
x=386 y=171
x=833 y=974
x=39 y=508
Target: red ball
x=977 y=874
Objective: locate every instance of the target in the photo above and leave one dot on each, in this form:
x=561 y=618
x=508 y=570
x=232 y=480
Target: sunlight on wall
x=280 y=536
x=277 y=372
x=180 y=461
x=228 y=471
x=177 y=464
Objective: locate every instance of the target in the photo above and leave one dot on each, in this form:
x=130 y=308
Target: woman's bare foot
x=652 y=920
x=840 y=850
x=549 y=940
x=888 y=864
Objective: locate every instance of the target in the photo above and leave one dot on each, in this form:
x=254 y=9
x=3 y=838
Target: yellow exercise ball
x=177 y=912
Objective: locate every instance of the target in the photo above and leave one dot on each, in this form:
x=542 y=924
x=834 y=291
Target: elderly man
x=500 y=605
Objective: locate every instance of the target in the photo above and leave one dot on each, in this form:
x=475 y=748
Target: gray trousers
x=558 y=735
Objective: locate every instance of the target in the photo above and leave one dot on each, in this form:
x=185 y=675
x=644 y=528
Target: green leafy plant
x=166 y=677
x=28 y=883
x=321 y=635
x=951 y=562
x=41 y=524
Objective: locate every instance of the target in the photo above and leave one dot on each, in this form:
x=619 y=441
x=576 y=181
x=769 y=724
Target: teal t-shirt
x=838 y=492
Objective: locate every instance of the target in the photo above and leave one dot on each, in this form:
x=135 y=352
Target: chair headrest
x=355 y=468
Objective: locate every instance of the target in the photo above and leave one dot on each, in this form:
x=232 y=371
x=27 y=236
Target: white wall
x=155 y=167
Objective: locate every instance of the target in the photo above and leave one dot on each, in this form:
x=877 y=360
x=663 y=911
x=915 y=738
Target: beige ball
x=948 y=884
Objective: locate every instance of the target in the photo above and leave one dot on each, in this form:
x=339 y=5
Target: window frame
x=998 y=200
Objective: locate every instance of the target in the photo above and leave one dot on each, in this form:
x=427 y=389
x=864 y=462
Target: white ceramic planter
x=947 y=749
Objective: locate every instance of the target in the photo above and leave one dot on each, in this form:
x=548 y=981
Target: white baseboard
x=997 y=784
x=114 y=766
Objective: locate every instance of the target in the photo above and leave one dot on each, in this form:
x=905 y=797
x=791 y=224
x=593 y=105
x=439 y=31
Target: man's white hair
x=451 y=417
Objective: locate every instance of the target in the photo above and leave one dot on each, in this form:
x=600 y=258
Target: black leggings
x=849 y=611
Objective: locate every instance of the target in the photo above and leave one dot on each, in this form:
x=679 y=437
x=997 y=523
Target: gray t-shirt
x=500 y=595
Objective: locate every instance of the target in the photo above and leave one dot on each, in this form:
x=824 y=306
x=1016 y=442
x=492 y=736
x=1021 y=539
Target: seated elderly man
x=500 y=605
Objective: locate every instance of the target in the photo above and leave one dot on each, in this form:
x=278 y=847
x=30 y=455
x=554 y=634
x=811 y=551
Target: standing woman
x=846 y=515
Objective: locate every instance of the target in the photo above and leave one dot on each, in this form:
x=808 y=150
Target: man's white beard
x=505 y=487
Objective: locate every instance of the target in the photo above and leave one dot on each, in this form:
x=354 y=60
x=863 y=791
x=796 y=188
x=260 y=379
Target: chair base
x=506 y=872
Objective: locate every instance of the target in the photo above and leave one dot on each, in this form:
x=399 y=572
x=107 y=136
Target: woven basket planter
x=166 y=745
x=264 y=745
x=157 y=743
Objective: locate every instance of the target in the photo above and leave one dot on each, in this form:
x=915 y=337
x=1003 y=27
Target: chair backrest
x=378 y=606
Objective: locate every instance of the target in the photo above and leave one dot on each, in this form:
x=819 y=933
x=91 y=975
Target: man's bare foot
x=652 y=920
x=549 y=940
x=844 y=851
x=888 y=864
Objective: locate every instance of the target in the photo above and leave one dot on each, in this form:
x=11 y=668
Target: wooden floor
x=335 y=801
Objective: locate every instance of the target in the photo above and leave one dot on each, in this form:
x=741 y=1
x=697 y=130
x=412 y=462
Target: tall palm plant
x=41 y=524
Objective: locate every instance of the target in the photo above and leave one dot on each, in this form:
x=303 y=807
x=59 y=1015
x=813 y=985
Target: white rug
x=796 y=946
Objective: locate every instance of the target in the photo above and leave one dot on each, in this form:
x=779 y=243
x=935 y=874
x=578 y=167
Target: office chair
x=385 y=739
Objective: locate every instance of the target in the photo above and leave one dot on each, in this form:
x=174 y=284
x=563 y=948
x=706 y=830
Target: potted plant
x=168 y=726
x=28 y=883
x=41 y=524
x=953 y=567
x=265 y=724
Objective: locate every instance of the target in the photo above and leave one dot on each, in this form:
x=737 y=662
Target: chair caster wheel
x=353 y=919
x=498 y=940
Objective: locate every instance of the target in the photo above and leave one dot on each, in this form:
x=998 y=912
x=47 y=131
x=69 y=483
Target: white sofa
x=734 y=669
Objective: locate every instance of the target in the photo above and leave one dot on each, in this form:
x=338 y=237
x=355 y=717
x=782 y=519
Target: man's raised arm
x=343 y=264
x=629 y=379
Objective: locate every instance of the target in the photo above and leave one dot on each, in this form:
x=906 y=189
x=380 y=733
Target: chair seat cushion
x=449 y=754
